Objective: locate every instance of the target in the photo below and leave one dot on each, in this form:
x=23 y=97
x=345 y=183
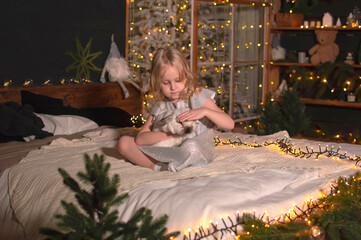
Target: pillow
x=102 y=116
x=4 y=139
x=42 y=103
x=19 y=121
x=65 y=124
x=107 y=116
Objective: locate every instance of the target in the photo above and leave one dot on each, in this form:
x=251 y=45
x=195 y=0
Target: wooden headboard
x=82 y=95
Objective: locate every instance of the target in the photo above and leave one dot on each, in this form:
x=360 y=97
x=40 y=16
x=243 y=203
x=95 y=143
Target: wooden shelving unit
x=272 y=81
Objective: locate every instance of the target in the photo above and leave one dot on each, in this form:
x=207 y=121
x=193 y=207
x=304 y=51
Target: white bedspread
x=240 y=178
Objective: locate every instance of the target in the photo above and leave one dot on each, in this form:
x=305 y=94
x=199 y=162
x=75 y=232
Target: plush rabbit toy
x=118 y=69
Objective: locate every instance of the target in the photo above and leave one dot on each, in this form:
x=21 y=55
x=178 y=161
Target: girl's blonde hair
x=170 y=56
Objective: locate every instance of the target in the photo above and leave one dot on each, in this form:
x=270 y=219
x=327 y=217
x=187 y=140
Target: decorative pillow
x=65 y=124
x=42 y=103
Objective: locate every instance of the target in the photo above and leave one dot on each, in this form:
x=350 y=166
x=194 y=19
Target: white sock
x=160 y=166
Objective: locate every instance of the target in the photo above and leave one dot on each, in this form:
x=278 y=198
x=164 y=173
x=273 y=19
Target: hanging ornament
x=83 y=59
x=28 y=82
x=317 y=233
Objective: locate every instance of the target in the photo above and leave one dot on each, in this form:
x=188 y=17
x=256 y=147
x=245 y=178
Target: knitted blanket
x=36 y=188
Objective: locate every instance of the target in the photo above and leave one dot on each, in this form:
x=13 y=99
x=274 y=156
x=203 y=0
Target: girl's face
x=171 y=84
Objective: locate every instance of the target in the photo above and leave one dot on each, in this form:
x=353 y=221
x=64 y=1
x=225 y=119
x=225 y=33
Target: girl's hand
x=211 y=111
x=193 y=114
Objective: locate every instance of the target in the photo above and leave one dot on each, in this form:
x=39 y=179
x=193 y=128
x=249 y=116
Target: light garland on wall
x=154 y=25
x=214 y=43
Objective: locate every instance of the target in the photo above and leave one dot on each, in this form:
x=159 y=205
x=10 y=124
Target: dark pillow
x=4 y=139
x=103 y=116
x=41 y=103
x=20 y=121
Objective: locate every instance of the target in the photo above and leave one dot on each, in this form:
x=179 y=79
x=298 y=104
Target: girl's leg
x=127 y=147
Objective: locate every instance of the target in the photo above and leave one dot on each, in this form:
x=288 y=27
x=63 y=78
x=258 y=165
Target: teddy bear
x=326 y=50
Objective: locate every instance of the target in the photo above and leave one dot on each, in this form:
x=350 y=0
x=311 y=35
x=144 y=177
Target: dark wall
x=339 y=8
x=36 y=34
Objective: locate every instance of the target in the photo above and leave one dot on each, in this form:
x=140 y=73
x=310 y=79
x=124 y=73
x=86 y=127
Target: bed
x=252 y=174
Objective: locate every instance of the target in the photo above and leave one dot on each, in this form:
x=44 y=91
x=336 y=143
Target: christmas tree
x=97 y=218
x=270 y=118
x=288 y=114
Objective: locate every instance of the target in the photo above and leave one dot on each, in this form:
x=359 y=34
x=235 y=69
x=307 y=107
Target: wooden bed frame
x=82 y=95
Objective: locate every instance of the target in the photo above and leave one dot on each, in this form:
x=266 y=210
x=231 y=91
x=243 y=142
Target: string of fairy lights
x=173 y=27
x=286 y=146
x=154 y=25
x=309 y=77
x=158 y=24
x=233 y=225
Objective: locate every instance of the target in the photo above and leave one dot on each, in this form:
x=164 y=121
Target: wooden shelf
x=331 y=103
x=275 y=67
x=285 y=64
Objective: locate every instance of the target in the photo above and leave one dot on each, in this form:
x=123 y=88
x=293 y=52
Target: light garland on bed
x=287 y=147
x=233 y=227
x=344 y=187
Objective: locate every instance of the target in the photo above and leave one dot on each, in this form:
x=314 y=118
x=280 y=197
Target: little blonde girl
x=173 y=85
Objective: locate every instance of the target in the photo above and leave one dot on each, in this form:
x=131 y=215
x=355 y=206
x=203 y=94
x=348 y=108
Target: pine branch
x=95 y=220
